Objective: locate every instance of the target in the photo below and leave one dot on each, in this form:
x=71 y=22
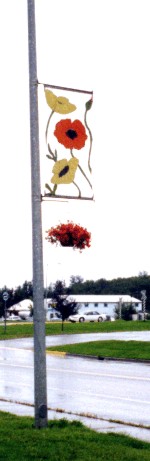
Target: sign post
x=5 y=298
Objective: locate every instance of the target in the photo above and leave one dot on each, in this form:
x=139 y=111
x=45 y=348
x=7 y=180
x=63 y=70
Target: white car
x=91 y=316
x=14 y=317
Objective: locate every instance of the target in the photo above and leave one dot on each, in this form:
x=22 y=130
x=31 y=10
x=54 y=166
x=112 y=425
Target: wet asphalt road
x=56 y=340
x=105 y=390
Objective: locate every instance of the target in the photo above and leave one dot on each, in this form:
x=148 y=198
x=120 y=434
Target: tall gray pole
x=40 y=387
x=120 y=307
x=144 y=297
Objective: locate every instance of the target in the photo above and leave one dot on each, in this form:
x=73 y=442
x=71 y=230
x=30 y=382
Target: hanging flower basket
x=69 y=235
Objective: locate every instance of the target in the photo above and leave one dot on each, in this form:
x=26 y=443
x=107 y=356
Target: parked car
x=13 y=317
x=91 y=316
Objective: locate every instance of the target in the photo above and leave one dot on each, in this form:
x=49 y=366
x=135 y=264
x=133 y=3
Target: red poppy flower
x=71 y=134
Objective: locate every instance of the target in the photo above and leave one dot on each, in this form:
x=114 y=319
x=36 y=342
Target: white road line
x=76 y=372
x=14 y=348
x=102 y=396
x=106 y=375
x=13 y=383
x=8 y=364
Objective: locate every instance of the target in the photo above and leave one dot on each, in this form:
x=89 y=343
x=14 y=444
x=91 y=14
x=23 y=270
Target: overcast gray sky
x=101 y=46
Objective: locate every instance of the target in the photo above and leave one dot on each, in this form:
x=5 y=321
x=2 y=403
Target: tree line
x=120 y=286
x=131 y=286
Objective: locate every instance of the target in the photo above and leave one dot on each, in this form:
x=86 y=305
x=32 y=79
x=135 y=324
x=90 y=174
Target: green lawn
x=64 y=441
x=26 y=330
x=117 y=349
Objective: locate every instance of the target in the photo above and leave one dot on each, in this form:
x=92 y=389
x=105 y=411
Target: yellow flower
x=64 y=171
x=59 y=104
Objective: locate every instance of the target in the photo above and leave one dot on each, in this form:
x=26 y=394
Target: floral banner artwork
x=68 y=139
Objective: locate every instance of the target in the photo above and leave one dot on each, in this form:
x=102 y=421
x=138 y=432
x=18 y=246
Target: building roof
x=23 y=305
x=104 y=298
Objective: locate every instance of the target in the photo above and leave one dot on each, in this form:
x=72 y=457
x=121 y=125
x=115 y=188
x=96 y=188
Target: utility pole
x=144 y=297
x=40 y=386
x=120 y=307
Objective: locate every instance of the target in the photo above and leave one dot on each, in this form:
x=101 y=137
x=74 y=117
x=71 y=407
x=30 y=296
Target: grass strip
x=65 y=441
x=25 y=330
x=110 y=348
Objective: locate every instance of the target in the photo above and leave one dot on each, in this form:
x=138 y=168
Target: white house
x=104 y=304
x=23 y=308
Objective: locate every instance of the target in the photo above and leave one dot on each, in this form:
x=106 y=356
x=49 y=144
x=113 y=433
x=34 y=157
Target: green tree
x=9 y=301
x=64 y=305
x=127 y=310
x=1 y=307
x=131 y=286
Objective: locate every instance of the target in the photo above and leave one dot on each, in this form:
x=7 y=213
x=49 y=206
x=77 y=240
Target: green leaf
x=54 y=189
x=50 y=151
x=88 y=104
x=49 y=188
x=48 y=156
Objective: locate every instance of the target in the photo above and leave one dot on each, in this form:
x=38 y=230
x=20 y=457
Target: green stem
x=91 y=139
x=80 y=168
x=77 y=188
x=47 y=126
x=54 y=156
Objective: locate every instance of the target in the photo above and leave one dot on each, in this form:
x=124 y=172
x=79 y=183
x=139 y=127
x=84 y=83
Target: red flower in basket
x=69 y=235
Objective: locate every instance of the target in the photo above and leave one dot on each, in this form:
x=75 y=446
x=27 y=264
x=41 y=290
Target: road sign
x=5 y=296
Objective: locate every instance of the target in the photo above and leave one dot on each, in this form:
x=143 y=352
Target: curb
x=101 y=358
x=57 y=353
x=96 y=357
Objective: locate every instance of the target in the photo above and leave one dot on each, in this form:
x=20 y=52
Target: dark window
x=105 y=304
x=95 y=304
x=86 y=304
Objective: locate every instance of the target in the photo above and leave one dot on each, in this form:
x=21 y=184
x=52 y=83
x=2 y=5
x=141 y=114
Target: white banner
x=65 y=142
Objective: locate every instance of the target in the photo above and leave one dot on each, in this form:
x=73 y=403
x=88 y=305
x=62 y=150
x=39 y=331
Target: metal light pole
x=144 y=297
x=40 y=387
x=120 y=307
